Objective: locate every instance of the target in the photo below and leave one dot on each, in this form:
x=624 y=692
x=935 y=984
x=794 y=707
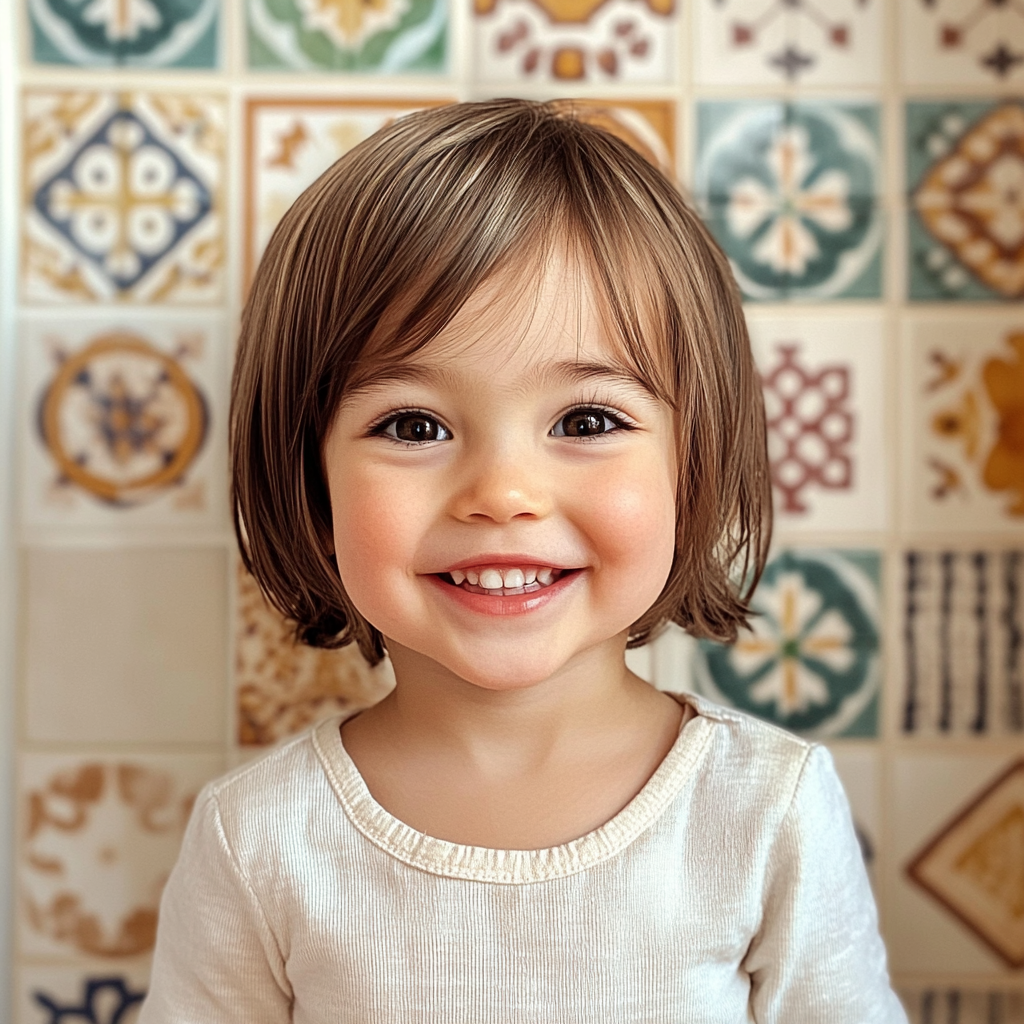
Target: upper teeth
x=504 y=579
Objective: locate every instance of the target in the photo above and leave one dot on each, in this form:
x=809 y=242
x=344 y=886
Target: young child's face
x=504 y=504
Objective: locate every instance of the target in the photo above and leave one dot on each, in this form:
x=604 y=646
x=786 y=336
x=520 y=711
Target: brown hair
x=414 y=219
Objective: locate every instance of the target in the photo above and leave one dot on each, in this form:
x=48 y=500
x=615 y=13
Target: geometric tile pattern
x=98 y=839
x=790 y=192
x=283 y=686
x=123 y=197
x=765 y=42
x=122 y=423
x=810 y=660
x=974 y=866
x=131 y=33
x=105 y=1000
x=96 y=993
x=574 y=41
x=963 y=636
x=381 y=36
x=976 y=42
x=962 y=1006
x=822 y=381
x=965 y=166
x=964 y=405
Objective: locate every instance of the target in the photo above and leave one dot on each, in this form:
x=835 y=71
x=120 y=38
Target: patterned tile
x=823 y=392
x=810 y=662
x=963 y=379
x=383 y=36
x=945 y=806
x=764 y=42
x=954 y=42
x=963 y=633
x=133 y=33
x=283 y=687
x=143 y=650
x=647 y=125
x=941 y=1005
x=975 y=865
x=572 y=41
x=79 y=995
x=291 y=142
x=122 y=197
x=965 y=173
x=790 y=192
x=97 y=840
x=119 y=424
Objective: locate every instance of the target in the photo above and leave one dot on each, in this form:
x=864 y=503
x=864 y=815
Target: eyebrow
x=565 y=372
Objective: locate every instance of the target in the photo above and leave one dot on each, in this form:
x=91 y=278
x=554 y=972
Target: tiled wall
x=861 y=161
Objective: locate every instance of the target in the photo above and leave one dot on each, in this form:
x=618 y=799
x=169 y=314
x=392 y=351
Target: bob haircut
x=379 y=254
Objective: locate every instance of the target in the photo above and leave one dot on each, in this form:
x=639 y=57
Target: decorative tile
x=120 y=429
x=291 y=142
x=764 y=42
x=78 y=995
x=926 y=792
x=135 y=33
x=790 y=192
x=98 y=838
x=123 y=197
x=573 y=41
x=965 y=173
x=810 y=660
x=384 y=37
x=932 y=1005
x=974 y=867
x=282 y=687
x=963 y=635
x=953 y=42
x=963 y=444
x=823 y=392
x=647 y=125
x=143 y=648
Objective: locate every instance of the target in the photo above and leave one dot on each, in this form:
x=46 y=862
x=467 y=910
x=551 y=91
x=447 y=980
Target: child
x=495 y=412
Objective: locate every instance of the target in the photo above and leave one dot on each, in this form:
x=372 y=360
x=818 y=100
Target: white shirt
x=730 y=889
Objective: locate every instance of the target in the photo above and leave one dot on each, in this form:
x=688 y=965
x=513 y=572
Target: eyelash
x=619 y=419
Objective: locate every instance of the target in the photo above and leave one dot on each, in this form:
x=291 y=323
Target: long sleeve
x=216 y=960
x=818 y=955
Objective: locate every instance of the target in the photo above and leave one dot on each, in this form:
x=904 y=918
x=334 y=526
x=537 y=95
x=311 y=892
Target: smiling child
x=495 y=413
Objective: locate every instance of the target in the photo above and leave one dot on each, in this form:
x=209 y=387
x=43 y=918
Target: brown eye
x=584 y=423
x=416 y=428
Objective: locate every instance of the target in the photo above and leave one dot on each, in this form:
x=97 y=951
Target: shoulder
x=756 y=764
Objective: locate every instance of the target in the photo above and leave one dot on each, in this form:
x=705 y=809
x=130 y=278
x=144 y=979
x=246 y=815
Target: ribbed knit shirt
x=730 y=889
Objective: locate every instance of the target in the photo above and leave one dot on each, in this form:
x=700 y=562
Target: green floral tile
x=810 y=661
x=382 y=36
x=791 y=193
x=965 y=183
x=130 y=33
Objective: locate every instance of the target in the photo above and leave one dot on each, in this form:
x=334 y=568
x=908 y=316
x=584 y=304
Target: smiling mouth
x=506 y=581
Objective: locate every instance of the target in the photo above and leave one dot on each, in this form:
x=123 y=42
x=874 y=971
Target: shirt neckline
x=485 y=864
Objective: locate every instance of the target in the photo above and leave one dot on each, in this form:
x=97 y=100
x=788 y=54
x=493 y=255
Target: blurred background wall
x=861 y=161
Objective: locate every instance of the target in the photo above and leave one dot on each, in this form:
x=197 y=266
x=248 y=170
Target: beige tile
x=125 y=645
x=97 y=838
x=98 y=993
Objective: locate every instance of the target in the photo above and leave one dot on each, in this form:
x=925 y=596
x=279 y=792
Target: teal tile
x=383 y=36
x=810 y=662
x=965 y=200
x=790 y=190
x=133 y=33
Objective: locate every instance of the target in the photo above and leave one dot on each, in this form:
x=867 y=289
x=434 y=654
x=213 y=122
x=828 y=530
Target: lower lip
x=501 y=604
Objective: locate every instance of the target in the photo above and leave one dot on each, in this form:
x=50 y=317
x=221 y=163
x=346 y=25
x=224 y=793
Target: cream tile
x=97 y=838
x=97 y=993
x=928 y=792
x=824 y=394
x=125 y=645
x=123 y=424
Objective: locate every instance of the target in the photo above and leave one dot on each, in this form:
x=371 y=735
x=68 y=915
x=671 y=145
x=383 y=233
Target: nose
x=502 y=486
